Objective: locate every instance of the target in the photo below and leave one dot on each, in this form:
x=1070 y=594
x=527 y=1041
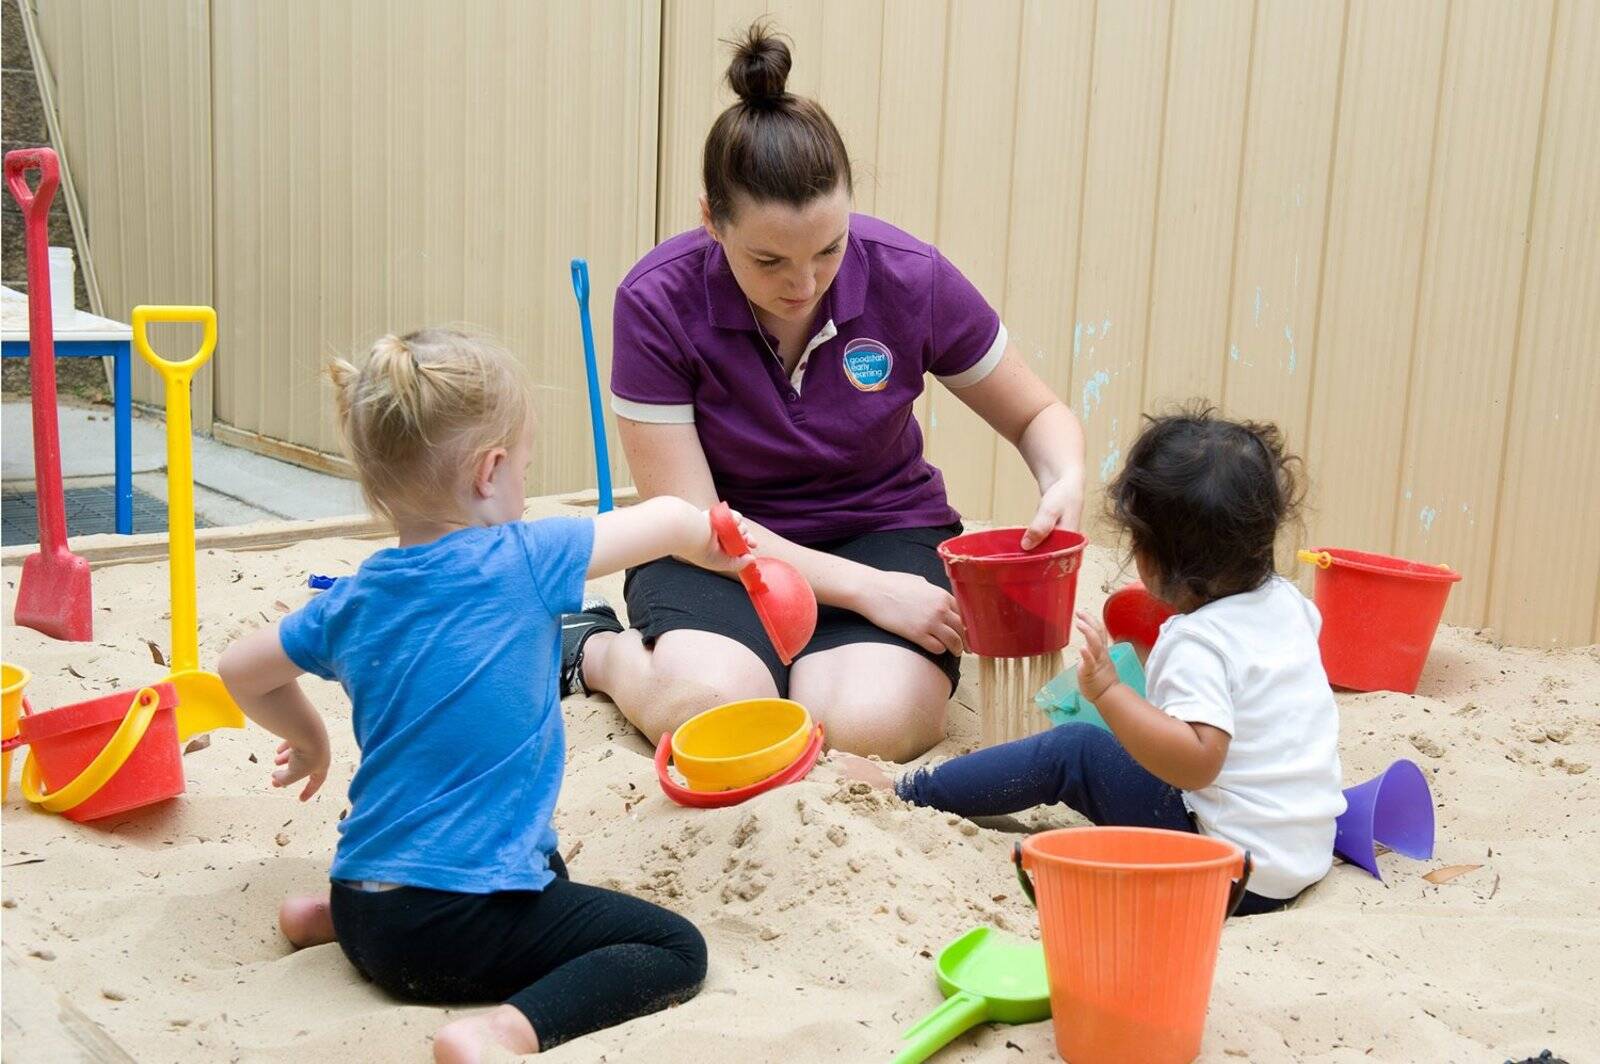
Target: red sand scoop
x=53 y=595
x=783 y=599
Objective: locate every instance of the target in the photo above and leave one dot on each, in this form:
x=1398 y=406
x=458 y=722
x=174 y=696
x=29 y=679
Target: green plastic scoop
x=986 y=978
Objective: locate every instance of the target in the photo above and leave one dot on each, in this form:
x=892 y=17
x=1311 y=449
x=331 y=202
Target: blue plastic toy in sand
x=1062 y=702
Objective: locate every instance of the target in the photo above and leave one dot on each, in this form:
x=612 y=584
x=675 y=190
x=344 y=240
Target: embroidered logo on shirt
x=867 y=364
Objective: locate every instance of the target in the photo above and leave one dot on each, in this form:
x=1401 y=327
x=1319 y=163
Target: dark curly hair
x=1202 y=499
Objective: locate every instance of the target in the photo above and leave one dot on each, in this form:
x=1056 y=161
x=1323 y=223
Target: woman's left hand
x=1060 y=506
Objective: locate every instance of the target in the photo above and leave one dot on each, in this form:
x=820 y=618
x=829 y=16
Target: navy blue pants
x=1081 y=766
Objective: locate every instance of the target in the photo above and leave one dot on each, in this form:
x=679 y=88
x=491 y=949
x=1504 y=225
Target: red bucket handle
x=1235 y=891
x=17 y=739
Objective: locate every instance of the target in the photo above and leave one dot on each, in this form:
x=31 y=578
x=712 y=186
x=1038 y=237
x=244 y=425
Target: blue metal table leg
x=123 y=386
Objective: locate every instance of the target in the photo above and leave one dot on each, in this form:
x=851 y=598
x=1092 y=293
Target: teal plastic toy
x=1061 y=701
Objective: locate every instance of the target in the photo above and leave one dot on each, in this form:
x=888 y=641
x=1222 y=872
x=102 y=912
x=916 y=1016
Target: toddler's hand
x=299 y=763
x=1097 y=673
x=709 y=553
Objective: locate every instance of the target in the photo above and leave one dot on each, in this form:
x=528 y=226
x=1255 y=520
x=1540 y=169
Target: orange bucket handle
x=1235 y=892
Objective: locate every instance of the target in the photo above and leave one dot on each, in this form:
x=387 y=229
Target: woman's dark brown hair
x=771 y=145
x=1202 y=498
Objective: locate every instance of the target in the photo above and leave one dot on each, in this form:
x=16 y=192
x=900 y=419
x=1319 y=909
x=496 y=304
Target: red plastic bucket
x=65 y=740
x=1131 y=919
x=1015 y=604
x=1379 y=616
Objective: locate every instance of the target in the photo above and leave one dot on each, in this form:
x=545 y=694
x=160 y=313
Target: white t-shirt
x=1249 y=664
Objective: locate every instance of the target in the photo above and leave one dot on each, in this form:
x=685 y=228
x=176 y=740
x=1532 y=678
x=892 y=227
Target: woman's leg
x=876 y=692
x=695 y=643
x=659 y=687
x=874 y=698
x=1079 y=765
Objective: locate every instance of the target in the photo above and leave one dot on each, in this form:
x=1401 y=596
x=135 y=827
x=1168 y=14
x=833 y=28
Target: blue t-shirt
x=450 y=652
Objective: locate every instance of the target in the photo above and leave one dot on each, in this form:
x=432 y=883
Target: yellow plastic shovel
x=203 y=701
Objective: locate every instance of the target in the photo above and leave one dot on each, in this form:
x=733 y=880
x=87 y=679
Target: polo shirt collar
x=728 y=309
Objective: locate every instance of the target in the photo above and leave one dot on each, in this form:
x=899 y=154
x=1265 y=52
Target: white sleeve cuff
x=981 y=368
x=653 y=413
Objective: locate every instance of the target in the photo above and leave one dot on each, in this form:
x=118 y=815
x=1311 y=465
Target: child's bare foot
x=853 y=767
x=463 y=1041
x=306 y=920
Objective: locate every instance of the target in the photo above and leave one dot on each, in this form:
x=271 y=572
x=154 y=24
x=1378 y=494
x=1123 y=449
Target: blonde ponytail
x=421 y=409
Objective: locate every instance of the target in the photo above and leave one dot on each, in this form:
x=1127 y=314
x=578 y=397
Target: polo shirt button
x=794 y=397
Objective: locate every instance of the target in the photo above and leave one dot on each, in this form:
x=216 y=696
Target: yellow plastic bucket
x=740 y=743
x=15 y=679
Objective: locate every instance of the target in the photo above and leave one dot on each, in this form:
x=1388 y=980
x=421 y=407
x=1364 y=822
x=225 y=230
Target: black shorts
x=669 y=595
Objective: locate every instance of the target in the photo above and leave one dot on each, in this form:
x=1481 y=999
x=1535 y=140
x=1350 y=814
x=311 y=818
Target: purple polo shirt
x=833 y=450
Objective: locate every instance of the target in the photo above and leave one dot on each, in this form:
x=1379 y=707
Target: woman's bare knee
x=897 y=733
x=689 y=672
x=874 y=698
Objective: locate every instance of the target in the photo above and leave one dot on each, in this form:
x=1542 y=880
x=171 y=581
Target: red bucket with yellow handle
x=102 y=757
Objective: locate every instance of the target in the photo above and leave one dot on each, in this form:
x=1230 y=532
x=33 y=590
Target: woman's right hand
x=914 y=609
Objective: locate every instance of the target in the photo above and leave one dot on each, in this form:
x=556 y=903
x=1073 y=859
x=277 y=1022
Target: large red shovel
x=53 y=596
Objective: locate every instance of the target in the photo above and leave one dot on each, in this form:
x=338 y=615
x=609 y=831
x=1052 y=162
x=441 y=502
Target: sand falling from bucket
x=1006 y=687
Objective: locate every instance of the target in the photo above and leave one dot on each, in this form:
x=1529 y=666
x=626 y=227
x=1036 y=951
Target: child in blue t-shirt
x=446 y=884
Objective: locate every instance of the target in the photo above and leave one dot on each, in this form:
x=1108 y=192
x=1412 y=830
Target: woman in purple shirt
x=771 y=358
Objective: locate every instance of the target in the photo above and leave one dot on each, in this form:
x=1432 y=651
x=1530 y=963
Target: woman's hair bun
x=760 y=66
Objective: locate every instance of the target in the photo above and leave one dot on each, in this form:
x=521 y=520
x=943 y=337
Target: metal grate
x=89 y=510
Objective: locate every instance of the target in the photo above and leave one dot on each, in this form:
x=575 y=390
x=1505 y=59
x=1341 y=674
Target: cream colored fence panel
x=1546 y=566
x=383 y=165
x=1373 y=257
x=131 y=83
x=1046 y=200
x=1371 y=223
x=1485 y=154
x=1207 y=92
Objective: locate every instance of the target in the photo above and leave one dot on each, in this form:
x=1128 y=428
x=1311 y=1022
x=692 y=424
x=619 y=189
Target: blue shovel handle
x=602 y=460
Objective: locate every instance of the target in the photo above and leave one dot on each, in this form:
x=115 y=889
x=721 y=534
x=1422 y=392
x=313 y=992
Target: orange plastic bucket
x=1379 y=617
x=72 y=747
x=1131 y=919
x=1014 y=603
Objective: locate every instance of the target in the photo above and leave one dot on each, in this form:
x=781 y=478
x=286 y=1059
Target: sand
x=154 y=933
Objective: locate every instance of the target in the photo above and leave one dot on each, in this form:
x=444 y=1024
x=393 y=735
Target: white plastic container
x=63 y=271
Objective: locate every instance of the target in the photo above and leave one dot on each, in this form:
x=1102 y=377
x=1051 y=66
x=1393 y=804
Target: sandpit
x=153 y=935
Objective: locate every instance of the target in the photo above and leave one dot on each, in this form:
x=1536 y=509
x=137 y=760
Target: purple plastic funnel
x=1394 y=808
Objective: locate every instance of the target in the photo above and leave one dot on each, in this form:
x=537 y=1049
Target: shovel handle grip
x=580 y=280
x=35 y=202
x=726 y=530
x=205 y=317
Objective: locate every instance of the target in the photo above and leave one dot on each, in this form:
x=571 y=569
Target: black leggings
x=571 y=958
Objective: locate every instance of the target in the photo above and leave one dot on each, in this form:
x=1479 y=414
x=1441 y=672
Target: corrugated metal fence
x=1376 y=224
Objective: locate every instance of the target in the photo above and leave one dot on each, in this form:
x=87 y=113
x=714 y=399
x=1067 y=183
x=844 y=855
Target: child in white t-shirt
x=1239 y=737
